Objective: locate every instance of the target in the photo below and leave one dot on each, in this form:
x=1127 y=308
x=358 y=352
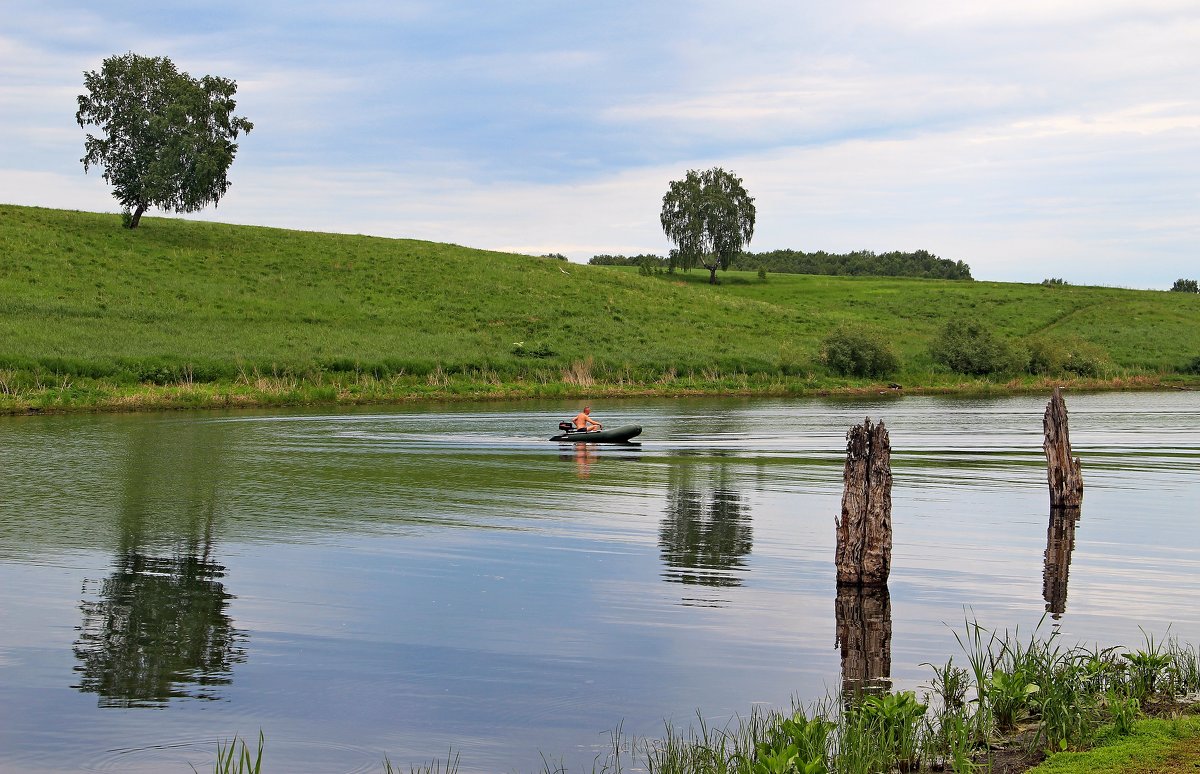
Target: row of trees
x=1186 y=286
x=709 y=217
x=920 y=263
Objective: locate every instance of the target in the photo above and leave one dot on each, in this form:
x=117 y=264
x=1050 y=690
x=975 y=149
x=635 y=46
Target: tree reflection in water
x=705 y=534
x=158 y=631
x=1060 y=544
x=157 y=628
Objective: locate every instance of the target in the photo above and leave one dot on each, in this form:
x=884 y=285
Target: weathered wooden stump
x=1062 y=471
x=864 y=634
x=864 y=531
x=1060 y=544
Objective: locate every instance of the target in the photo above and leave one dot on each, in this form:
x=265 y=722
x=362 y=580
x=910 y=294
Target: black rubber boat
x=620 y=434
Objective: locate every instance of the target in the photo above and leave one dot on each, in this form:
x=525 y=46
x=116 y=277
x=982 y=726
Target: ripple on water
x=279 y=754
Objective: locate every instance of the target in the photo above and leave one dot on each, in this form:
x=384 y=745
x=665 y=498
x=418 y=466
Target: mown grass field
x=193 y=313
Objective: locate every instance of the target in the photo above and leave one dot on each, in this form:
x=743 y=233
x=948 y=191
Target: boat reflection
x=1060 y=544
x=584 y=455
x=864 y=634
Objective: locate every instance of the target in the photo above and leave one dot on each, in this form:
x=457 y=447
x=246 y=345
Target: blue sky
x=1029 y=138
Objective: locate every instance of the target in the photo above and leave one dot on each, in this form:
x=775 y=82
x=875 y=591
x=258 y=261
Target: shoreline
x=365 y=390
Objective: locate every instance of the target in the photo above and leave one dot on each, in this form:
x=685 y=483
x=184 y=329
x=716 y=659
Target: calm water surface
x=404 y=582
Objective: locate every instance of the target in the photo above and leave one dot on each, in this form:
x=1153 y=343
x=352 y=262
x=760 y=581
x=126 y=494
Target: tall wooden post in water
x=1062 y=471
x=864 y=531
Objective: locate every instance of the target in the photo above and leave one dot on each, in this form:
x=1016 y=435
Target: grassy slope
x=77 y=286
x=82 y=297
x=1138 y=328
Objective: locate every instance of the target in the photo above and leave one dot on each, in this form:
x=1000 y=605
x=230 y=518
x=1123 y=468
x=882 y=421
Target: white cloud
x=1028 y=138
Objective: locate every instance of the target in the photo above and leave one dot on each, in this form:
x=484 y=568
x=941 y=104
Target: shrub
x=1066 y=354
x=1050 y=281
x=969 y=347
x=1186 y=286
x=1192 y=367
x=852 y=350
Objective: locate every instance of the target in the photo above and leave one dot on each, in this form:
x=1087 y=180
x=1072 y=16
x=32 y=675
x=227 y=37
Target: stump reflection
x=864 y=634
x=1060 y=544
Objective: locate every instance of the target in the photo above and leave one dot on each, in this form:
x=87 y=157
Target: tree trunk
x=712 y=274
x=864 y=531
x=136 y=217
x=1062 y=471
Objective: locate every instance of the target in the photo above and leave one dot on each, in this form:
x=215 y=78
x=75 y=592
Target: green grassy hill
x=89 y=311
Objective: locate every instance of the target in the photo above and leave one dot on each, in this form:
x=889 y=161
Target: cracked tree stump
x=1062 y=471
x=864 y=531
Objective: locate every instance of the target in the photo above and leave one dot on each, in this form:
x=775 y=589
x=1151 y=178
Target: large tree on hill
x=710 y=218
x=166 y=139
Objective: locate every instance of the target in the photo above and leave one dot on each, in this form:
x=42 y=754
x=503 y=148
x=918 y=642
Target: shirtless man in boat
x=583 y=420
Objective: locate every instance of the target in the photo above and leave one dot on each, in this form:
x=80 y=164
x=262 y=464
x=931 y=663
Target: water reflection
x=585 y=455
x=1060 y=544
x=864 y=633
x=705 y=535
x=157 y=627
x=158 y=630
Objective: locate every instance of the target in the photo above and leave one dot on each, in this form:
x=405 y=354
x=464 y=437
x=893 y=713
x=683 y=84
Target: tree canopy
x=710 y=218
x=166 y=139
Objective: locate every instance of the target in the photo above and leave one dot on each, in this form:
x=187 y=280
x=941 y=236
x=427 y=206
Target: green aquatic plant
x=949 y=684
x=792 y=744
x=235 y=758
x=1147 y=667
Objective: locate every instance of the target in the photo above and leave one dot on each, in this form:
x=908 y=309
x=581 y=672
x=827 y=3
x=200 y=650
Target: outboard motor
x=566 y=427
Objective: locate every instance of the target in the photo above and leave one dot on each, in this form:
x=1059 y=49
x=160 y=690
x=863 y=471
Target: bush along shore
x=1014 y=704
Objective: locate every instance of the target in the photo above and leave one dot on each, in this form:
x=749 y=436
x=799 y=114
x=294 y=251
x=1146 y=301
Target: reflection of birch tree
x=157 y=631
x=157 y=627
x=706 y=534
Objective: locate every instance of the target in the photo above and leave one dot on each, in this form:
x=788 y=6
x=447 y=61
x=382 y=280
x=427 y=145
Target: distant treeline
x=920 y=263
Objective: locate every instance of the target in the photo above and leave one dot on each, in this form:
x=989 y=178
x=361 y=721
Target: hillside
x=87 y=307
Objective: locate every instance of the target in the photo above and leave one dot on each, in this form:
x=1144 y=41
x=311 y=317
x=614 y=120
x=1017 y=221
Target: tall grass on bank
x=91 y=312
x=1030 y=693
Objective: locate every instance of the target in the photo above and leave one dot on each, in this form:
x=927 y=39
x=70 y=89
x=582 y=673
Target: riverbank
x=359 y=389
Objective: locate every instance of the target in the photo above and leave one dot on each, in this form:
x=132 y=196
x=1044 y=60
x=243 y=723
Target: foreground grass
x=1153 y=746
x=191 y=314
x=1016 y=702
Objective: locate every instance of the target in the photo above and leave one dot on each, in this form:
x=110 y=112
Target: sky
x=1030 y=138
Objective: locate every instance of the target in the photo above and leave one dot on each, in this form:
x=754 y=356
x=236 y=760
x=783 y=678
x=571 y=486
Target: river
x=404 y=582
